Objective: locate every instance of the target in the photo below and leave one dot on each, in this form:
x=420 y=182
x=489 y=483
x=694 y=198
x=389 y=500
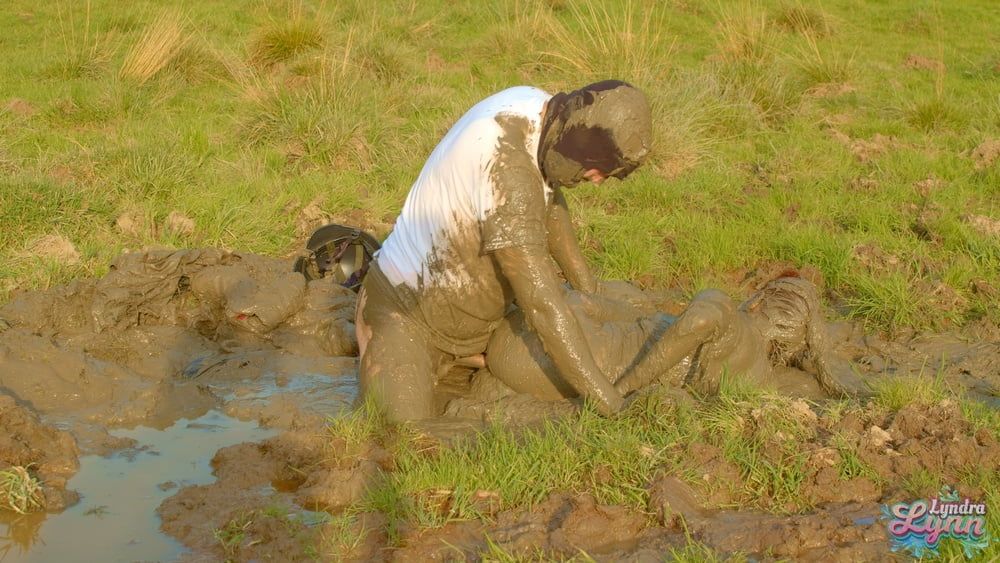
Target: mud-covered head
x=606 y=126
x=789 y=306
x=797 y=334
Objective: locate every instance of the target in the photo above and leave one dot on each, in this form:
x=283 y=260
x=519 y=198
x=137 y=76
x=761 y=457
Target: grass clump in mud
x=234 y=533
x=894 y=393
x=20 y=491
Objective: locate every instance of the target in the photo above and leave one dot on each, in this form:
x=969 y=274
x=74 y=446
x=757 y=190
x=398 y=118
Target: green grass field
x=851 y=137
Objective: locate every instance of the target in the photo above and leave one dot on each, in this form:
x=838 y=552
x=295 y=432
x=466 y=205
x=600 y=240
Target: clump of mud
x=47 y=452
x=270 y=499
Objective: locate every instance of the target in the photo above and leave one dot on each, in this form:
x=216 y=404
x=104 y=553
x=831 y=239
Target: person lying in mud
x=778 y=328
x=479 y=230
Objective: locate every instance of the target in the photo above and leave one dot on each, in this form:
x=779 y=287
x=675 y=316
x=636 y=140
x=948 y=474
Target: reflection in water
x=116 y=518
x=18 y=532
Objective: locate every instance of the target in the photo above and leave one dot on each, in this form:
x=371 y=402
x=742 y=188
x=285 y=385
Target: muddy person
x=777 y=338
x=479 y=231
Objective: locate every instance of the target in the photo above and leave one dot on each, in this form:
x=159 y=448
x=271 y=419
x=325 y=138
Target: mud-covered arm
x=540 y=295
x=701 y=322
x=514 y=232
x=564 y=247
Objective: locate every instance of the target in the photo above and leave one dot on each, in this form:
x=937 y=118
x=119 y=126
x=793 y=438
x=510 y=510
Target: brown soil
x=179 y=224
x=866 y=150
x=918 y=62
x=261 y=489
x=49 y=453
x=985 y=225
x=986 y=154
x=20 y=107
x=830 y=90
x=55 y=247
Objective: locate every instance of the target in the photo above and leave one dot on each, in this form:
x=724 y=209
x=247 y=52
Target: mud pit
x=169 y=357
x=128 y=386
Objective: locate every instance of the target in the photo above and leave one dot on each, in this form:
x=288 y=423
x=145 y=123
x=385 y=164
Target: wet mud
x=177 y=408
x=115 y=517
x=96 y=376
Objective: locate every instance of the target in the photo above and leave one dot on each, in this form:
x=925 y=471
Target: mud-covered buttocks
x=49 y=454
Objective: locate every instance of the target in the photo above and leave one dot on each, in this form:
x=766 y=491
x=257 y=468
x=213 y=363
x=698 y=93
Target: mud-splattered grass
x=743 y=449
x=20 y=491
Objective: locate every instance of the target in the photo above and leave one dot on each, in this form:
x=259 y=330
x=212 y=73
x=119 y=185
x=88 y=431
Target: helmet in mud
x=605 y=126
x=340 y=252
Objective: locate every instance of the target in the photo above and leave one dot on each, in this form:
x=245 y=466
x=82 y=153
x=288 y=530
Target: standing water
x=116 y=519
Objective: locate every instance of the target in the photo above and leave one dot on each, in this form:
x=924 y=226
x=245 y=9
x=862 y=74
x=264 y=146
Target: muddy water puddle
x=116 y=519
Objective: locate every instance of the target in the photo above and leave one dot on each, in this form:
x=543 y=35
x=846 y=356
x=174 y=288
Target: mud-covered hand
x=540 y=295
x=564 y=247
x=698 y=324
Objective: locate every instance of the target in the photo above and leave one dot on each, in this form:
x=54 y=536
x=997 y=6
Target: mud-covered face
x=605 y=126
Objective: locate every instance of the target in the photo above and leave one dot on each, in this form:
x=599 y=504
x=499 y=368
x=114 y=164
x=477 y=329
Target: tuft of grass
x=20 y=491
x=85 y=52
x=890 y=301
x=234 y=533
x=340 y=536
x=601 y=42
x=922 y=483
x=932 y=113
x=980 y=414
x=822 y=67
x=683 y=111
x=744 y=35
x=850 y=465
x=281 y=41
x=324 y=122
x=894 y=393
x=496 y=553
x=746 y=64
x=805 y=19
x=761 y=435
x=364 y=424
x=697 y=552
x=160 y=44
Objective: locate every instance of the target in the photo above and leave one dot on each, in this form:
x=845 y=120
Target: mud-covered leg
x=397 y=369
x=704 y=319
